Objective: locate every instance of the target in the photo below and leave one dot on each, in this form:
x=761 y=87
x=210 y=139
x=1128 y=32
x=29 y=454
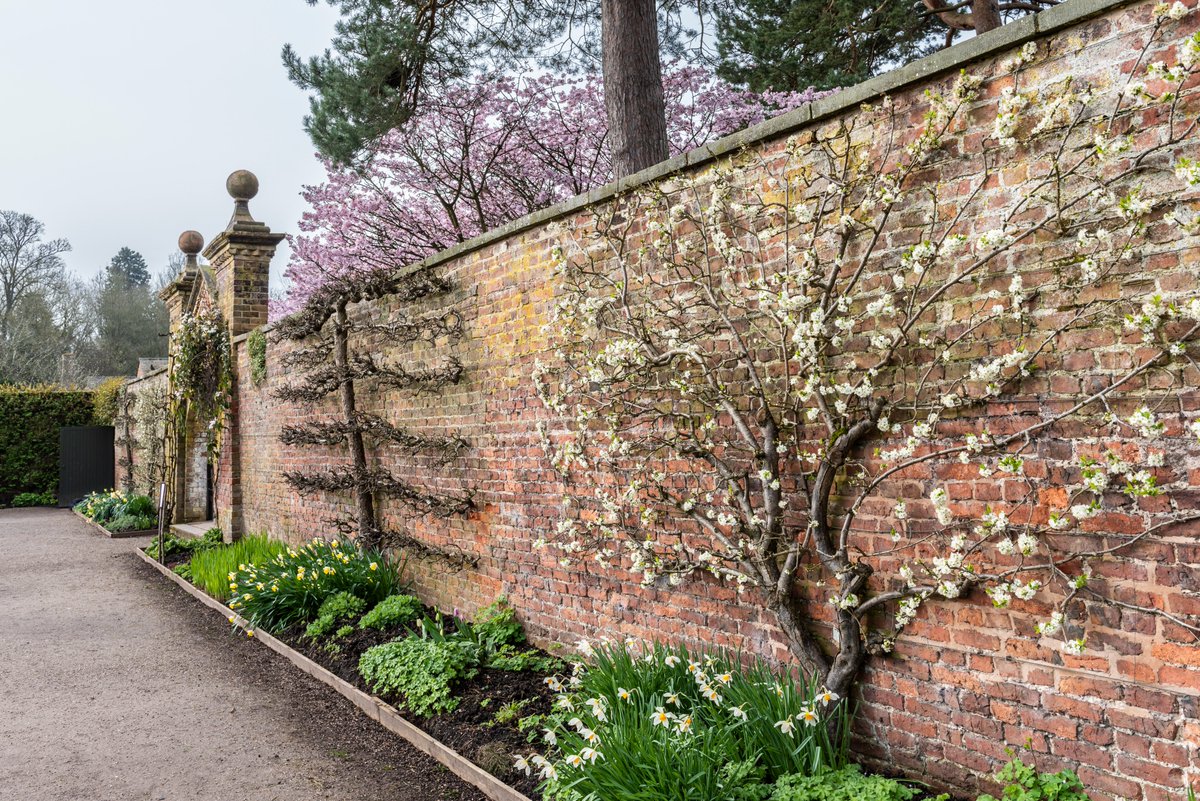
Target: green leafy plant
x=668 y=718
x=202 y=374
x=128 y=522
x=1024 y=783
x=334 y=609
x=106 y=401
x=509 y=657
x=215 y=570
x=119 y=511
x=25 y=499
x=508 y=713
x=256 y=349
x=848 y=783
x=420 y=670
x=343 y=632
x=395 y=610
x=494 y=634
x=173 y=544
x=289 y=589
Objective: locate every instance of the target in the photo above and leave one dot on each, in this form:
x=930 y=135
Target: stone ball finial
x=191 y=242
x=242 y=185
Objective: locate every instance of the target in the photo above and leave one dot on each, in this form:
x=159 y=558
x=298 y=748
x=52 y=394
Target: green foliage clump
x=30 y=417
x=173 y=544
x=288 y=590
x=509 y=657
x=106 y=401
x=128 y=522
x=256 y=349
x=395 y=610
x=420 y=670
x=845 y=784
x=1024 y=783
x=334 y=609
x=34 y=499
x=423 y=668
x=202 y=371
x=119 y=511
x=671 y=718
x=508 y=713
x=495 y=634
x=215 y=570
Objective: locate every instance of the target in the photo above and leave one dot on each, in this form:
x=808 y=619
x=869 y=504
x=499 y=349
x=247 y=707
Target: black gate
x=85 y=462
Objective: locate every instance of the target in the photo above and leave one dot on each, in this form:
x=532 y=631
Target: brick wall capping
x=146 y=377
x=262 y=238
x=384 y=714
x=922 y=70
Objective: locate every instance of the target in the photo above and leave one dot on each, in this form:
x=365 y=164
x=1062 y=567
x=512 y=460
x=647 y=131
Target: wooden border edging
x=384 y=714
x=115 y=535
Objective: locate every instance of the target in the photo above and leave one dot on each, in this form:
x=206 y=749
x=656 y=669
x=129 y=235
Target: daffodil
x=827 y=697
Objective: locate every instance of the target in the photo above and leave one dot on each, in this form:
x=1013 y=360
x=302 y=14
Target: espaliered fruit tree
x=340 y=358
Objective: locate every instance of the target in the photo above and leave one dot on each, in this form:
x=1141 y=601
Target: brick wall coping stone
x=384 y=714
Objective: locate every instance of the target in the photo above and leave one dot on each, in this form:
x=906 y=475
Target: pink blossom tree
x=483 y=153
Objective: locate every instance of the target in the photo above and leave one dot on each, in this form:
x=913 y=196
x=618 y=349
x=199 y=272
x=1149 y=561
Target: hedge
x=30 y=417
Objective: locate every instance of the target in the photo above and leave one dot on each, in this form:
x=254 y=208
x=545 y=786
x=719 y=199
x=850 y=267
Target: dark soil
x=176 y=558
x=471 y=726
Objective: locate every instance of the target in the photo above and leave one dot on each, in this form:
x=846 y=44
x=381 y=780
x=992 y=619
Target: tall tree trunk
x=633 y=91
x=983 y=16
x=986 y=14
x=364 y=501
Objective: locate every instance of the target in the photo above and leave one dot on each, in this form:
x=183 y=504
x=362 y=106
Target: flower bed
x=119 y=514
x=628 y=721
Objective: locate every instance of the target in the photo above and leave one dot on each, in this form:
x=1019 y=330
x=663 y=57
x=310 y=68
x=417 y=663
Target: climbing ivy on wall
x=202 y=375
x=256 y=349
x=339 y=358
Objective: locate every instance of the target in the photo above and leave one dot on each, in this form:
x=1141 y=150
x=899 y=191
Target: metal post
x=162 y=498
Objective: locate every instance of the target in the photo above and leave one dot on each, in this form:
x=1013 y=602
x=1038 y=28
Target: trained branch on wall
x=125 y=437
x=753 y=369
x=335 y=367
x=150 y=431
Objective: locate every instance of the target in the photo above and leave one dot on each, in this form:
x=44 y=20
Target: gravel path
x=117 y=686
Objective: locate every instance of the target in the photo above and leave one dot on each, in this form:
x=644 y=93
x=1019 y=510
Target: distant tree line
x=56 y=327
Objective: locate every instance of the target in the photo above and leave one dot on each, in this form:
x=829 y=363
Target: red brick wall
x=965 y=683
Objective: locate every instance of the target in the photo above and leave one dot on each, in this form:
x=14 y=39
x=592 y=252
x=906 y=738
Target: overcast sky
x=120 y=120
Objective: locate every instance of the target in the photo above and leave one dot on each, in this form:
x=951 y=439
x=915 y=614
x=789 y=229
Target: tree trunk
x=986 y=14
x=633 y=91
x=358 y=453
x=983 y=16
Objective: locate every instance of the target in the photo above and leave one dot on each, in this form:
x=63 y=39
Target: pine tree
x=789 y=45
x=129 y=265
